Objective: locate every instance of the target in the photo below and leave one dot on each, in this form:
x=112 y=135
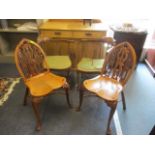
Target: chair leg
x=123 y=100
x=35 y=105
x=81 y=93
x=26 y=95
x=112 y=111
x=67 y=76
x=67 y=96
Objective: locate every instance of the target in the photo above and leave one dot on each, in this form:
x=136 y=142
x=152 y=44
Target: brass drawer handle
x=57 y=33
x=88 y=34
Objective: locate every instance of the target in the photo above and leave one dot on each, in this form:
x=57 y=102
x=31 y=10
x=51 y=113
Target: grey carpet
x=139 y=117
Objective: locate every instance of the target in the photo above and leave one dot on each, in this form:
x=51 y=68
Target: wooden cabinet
x=75 y=31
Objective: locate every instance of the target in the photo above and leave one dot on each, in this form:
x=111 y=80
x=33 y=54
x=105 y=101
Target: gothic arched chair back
x=120 y=62
x=30 y=59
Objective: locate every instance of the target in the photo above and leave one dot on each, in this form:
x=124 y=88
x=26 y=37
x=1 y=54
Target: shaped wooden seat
x=118 y=66
x=105 y=87
x=32 y=65
x=44 y=83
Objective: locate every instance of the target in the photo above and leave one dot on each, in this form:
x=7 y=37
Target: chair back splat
x=120 y=62
x=30 y=59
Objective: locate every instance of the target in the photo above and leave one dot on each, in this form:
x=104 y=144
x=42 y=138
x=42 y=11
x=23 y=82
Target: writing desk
x=76 y=31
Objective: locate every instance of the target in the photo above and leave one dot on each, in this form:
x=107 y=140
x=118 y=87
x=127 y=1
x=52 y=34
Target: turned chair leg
x=35 y=105
x=123 y=100
x=81 y=93
x=112 y=111
x=67 y=96
x=25 y=96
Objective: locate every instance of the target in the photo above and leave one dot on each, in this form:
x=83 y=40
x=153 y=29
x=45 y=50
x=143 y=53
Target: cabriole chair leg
x=35 y=105
x=112 y=111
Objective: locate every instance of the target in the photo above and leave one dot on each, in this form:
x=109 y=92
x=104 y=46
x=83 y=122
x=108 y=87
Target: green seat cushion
x=90 y=65
x=59 y=62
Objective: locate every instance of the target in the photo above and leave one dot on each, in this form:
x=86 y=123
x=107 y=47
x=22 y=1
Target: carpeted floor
x=57 y=119
x=139 y=118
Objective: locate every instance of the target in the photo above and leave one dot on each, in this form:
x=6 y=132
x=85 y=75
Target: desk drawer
x=88 y=34
x=56 y=34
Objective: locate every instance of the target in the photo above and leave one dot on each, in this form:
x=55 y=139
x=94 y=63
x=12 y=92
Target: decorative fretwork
x=120 y=62
x=30 y=59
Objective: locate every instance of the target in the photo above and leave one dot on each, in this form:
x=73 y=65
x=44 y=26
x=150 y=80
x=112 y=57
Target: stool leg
x=81 y=93
x=67 y=96
x=78 y=80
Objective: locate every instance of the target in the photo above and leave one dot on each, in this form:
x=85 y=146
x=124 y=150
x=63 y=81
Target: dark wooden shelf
x=13 y=30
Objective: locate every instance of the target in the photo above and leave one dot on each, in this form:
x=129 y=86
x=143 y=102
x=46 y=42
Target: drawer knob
x=57 y=33
x=88 y=34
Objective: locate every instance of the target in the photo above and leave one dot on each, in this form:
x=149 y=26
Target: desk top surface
x=78 y=26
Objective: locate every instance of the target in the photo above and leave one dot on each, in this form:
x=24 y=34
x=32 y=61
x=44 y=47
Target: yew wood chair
x=118 y=66
x=90 y=62
x=58 y=50
x=32 y=65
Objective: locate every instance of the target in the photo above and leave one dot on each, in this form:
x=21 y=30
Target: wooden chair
x=90 y=63
x=118 y=66
x=32 y=66
x=58 y=51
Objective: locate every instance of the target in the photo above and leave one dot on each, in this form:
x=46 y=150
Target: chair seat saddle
x=105 y=87
x=44 y=83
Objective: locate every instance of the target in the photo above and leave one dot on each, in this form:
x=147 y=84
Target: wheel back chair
x=32 y=65
x=118 y=66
